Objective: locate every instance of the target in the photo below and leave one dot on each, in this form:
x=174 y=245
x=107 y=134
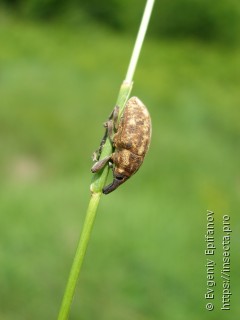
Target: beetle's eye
x=119 y=177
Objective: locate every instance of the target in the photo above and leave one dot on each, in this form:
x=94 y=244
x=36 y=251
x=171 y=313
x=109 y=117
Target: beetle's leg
x=111 y=124
x=100 y=164
x=97 y=153
x=111 y=127
x=115 y=117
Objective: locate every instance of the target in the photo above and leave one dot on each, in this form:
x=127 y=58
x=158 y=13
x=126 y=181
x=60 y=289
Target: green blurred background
x=61 y=66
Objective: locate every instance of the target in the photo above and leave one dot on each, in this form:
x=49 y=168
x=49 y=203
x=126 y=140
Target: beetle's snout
x=117 y=181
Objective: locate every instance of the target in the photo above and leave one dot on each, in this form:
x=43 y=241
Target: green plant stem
x=98 y=182
x=99 y=178
x=79 y=256
x=139 y=40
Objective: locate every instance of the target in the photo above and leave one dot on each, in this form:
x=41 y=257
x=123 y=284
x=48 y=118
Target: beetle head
x=118 y=179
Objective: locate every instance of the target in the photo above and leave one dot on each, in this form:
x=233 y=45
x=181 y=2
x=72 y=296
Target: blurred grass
x=146 y=256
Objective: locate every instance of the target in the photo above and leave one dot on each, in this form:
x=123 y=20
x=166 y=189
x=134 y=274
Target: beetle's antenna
x=139 y=41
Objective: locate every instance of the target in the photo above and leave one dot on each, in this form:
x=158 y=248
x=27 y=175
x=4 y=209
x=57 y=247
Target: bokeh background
x=61 y=66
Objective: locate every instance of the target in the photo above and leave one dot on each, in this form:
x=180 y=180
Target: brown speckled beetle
x=130 y=139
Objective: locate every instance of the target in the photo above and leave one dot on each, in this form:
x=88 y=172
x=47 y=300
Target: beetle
x=130 y=139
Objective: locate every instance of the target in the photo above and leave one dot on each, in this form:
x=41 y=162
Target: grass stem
x=139 y=40
x=79 y=256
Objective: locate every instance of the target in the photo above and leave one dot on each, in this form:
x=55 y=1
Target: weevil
x=130 y=139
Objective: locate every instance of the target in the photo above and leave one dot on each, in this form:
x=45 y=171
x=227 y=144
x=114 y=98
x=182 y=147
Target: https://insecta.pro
x=130 y=139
